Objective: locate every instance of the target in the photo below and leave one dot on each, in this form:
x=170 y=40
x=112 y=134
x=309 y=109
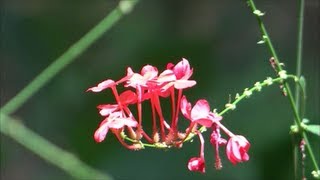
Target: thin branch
x=48 y=151
x=67 y=57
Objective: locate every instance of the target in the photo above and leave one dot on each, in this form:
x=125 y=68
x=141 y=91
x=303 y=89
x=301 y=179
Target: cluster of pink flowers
x=150 y=86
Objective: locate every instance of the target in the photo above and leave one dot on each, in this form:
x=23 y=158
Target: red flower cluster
x=149 y=86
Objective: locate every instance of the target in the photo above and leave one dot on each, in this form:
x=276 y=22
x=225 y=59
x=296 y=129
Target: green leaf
x=302 y=82
x=313 y=128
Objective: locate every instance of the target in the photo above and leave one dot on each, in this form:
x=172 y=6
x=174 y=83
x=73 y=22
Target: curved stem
x=48 y=151
x=266 y=82
x=257 y=87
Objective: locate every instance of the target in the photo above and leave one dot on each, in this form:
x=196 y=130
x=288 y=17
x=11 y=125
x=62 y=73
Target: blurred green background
x=217 y=37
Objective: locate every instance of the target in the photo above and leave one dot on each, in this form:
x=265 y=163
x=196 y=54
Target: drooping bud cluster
x=150 y=86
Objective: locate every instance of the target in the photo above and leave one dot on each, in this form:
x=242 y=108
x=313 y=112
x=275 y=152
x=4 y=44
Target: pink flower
x=102 y=86
x=237 y=149
x=182 y=72
x=197 y=164
x=114 y=121
x=147 y=74
x=200 y=113
x=107 y=109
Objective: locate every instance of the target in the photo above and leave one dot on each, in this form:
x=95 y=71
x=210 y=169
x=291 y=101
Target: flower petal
x=197 y=164
x=102 y=86
x=121 y=122
x=149 y=72
x=204 y=122
x=101 y=132
x=200 y=110
x=185 y=107
x=106 y=109
x=183 y=84
x=128 y=97
x=237 y=149
x=182 y=69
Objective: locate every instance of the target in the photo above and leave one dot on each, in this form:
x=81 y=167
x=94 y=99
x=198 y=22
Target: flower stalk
x=293 y=103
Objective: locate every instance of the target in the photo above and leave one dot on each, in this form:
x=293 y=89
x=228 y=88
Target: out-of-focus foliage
x=219 y=38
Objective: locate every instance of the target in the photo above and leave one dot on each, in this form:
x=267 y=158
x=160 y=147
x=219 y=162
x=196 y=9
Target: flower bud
x=237 y=149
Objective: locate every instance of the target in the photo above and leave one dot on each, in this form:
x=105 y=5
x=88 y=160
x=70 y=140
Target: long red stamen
x=177 y=110
x=139 y=109
x=156 y=102
x=148 y=138
x=116 y=95
x=154 y=120
x=173 y=108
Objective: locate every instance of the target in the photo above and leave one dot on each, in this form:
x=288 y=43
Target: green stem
x=297 y=88
x=48 y=151
x=299 y=50
x=246 y=94
x=267 y=39
x=267 y=82
x=265 y=34
x=305 y=137
x=67 y=57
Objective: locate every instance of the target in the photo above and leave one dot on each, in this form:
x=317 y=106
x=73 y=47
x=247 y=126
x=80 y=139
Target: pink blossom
x=114 y=121
x=197 y=164
x=200 y=113
x=182 y=72
x=107 y=109
x=147 y=74
x=102 y=86
x=237 y=149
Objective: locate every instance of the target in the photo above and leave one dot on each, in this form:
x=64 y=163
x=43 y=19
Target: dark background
x=217 y=37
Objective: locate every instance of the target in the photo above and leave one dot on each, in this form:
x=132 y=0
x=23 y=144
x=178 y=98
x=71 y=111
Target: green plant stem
x=277 y=61
x=267 y=40
x=48 y=151
x=286 y=85
x=251 y=90
x=298 y=73
x=312 y=157
x=67 y=57
x=299 y=50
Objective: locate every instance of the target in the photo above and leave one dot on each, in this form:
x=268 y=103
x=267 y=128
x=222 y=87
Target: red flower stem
x=202 y=144
x=174 y=125
x=148 y=138
x=139 y=109
x=117 y=133
x=116 y=95
x=172 y=108
x=229 y=133
x=188 y=132
x=154 y=119
x=156 y=102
